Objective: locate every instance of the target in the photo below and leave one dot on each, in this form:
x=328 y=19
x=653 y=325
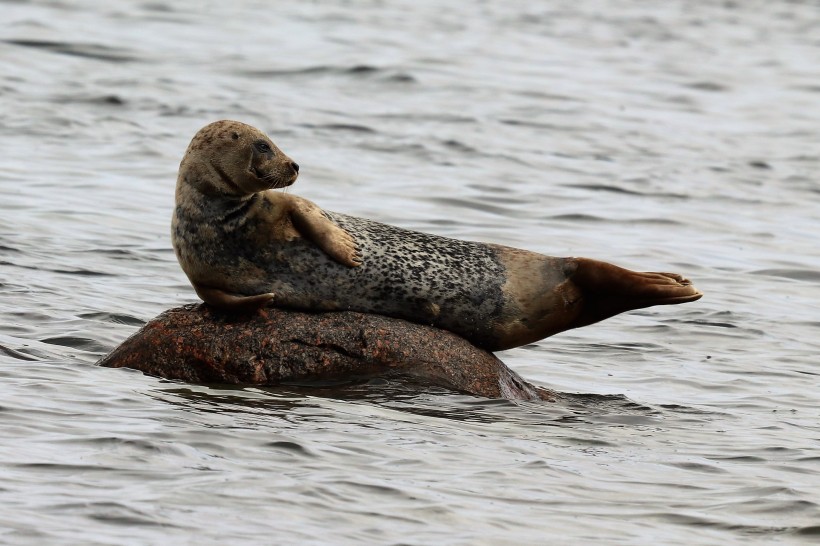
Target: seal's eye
x=262 y=147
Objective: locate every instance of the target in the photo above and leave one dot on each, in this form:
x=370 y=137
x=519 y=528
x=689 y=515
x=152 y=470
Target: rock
x=197 y=344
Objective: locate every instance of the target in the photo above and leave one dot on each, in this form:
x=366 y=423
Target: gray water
x=674 y=136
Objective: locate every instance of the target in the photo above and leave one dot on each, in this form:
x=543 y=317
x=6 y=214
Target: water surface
x=677 y=137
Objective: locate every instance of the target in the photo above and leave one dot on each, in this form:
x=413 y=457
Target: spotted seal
x=243 y=246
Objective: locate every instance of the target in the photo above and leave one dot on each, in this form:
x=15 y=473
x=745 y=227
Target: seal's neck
x=207 y=178
x=201 y=199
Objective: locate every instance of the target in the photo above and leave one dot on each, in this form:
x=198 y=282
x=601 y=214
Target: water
x=680 y=136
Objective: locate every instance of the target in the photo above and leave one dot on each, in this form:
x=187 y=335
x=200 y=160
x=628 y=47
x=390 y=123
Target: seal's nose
x=294 y=166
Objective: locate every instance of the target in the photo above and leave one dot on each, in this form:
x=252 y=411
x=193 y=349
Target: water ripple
x=91 y=51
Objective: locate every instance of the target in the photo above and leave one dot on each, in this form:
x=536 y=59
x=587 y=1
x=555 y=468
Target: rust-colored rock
x=196 y=344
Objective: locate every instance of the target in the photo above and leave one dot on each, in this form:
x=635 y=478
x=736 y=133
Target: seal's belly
x=453 y=284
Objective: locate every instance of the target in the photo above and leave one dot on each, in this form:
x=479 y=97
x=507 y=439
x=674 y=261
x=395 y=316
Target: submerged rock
x=197 y=344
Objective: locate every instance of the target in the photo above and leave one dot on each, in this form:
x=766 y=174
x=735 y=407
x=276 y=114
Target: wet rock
x=197 y=344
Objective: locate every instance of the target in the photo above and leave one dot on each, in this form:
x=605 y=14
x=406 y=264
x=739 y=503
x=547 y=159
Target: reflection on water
x=407 y=396
x=667 y=137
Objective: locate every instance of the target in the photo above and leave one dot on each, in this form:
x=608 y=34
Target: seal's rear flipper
x=607 y=290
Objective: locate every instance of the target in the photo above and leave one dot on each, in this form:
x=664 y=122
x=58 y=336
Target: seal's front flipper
x=316 y=227
x=234 y=303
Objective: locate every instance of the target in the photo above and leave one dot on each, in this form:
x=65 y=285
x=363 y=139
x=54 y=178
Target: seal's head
x=234 y=159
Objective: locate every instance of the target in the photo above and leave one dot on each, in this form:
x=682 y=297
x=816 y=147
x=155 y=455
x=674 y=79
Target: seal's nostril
x=295 y=166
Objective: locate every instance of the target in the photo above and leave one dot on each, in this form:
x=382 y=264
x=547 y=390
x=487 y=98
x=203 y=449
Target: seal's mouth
x=277 y=185
x=271 y=180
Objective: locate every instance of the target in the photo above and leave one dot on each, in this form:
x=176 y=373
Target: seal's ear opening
x=235 y=135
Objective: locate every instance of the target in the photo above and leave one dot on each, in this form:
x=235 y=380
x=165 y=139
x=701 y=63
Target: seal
x=244 y=246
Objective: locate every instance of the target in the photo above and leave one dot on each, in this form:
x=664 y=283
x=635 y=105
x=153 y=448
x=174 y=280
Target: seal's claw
x=346 y=251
